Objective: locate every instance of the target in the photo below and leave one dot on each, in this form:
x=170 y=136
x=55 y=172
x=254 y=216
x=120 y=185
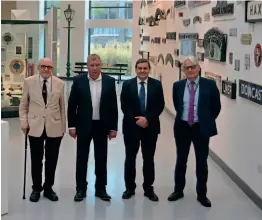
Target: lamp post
x=69 y=14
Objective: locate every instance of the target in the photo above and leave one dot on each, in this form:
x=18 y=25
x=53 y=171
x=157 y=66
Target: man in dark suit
x=92 y=114
x=197 y=103
x=142 y=102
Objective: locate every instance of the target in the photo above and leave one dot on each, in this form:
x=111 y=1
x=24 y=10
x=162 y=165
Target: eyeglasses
x=190 y=67
x=44 y=67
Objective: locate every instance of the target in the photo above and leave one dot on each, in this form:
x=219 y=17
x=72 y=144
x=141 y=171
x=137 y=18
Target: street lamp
x=69 y=14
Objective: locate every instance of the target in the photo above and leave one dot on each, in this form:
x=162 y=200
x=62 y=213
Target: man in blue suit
x=197 y=104
x=92 y=115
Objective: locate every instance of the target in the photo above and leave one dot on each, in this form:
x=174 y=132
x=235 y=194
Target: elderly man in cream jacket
x=42 y=117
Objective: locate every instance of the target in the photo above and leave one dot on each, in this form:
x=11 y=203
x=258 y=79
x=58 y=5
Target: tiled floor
x=229 y=203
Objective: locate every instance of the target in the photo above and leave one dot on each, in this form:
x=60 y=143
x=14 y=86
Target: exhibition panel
x=22 y=44
x=225 y=36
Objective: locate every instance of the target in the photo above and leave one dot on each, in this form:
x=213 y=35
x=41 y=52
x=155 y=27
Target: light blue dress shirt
x=186 y=100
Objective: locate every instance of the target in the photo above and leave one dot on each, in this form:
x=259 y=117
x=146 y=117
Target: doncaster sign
x=250 y=91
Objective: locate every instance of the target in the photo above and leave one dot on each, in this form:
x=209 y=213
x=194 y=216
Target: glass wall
x=48 y=5
x=114 y=45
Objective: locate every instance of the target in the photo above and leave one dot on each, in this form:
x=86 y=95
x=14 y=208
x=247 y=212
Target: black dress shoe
x=151 y=196
x=51 y=195
x=79 y=196
x=128 y=194
x=204 y=201
x=35 y=196
x=102 y=194
x=175 y=196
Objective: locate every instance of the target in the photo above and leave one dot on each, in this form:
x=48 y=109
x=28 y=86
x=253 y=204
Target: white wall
x=238 y=143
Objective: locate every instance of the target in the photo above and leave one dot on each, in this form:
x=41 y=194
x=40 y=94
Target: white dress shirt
x=139 y=87
x=95 y=90
x=48 y=84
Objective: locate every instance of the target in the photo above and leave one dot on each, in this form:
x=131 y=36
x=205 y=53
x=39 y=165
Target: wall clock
x=188 y=47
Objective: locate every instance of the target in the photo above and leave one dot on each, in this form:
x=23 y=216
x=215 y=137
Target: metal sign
x=178 y=4
x=232 y=32
x=171 y=35
x=229 y=89
x=146 y=38
x=258 y=55
x=192 y=4
x=250 y=91
x=253 y=11
x=223 y=8
x=246 y=39
x=191 y=36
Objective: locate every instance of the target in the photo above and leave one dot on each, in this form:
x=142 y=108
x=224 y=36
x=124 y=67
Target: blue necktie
x=142 y=97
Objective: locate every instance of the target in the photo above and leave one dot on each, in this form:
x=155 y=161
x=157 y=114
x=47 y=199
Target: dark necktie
x=142 y=97
x=191 y=104
x=44 y=92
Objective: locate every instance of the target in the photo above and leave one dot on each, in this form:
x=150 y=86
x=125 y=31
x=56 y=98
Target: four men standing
x=93 y=115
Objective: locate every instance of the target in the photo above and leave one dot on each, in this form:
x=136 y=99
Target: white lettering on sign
x=254 y=10
x=251 y=92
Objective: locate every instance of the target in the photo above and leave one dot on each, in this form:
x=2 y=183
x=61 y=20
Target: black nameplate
x=191 y=36
x=178 y=4
x=229 y=89
x=215 y=44
x=223 y=8
x=171 y=35
x=157 y=40
x=250 y=91
x=146 y=38
x=253 y=11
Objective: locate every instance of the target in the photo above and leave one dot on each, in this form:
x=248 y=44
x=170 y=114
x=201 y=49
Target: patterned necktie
x=142 y=97
x=44 y=92
x=191 y=103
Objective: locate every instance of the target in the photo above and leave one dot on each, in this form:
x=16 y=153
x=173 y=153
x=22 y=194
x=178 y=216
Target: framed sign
x=146 y=38
x=214 y=77
x=246 y=39
x=191 y=36
x=230 y=58
x=237 y=65
x=229 y=89
x=169 y=59
x=192 y=4
x=253 y=11
x=258 y=55
x=233 y=32
x=250 y=91
x=247 y=61
x=171 y=35
x=200 y=56
x=178 y=4
x=223 y=8
x=215 y=44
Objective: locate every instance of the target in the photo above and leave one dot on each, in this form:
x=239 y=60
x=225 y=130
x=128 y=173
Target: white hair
x=193 y=59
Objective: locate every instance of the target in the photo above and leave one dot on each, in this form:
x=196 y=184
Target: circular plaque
x=258 y=55
x=16 y=66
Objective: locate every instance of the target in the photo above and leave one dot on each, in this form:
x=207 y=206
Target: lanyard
x=195 y=89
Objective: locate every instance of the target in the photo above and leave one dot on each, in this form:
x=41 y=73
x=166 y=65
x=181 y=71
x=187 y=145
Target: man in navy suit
x=197 y=104
x=92 y=114
x=142 y=102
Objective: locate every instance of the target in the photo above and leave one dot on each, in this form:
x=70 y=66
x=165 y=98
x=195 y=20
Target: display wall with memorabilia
x=22 y=45
x=225 y=36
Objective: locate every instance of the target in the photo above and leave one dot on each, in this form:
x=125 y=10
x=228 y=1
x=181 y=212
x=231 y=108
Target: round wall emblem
x=16 y=66
x=258 y=55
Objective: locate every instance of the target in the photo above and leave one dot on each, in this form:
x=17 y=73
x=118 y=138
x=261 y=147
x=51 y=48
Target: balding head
x=45 y=67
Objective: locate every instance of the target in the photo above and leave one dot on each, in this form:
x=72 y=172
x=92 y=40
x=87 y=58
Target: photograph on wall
x=237 y=65
x=230 y=58
x=214 y=77
x=18 y=50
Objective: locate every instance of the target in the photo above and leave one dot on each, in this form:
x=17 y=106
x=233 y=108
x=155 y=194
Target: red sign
x=258 y=55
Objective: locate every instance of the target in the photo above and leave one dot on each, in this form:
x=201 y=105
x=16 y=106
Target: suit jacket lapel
x=149 y=91
x=103 y=89
x=182 y=90
x=134 y=90
x=201 y=91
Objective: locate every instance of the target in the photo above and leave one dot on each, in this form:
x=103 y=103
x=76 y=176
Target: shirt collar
x=196 y=80
x=98 y=79
x=47 y=80
x=139 y=80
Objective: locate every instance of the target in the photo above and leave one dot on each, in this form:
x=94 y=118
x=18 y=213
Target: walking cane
x=25 y=162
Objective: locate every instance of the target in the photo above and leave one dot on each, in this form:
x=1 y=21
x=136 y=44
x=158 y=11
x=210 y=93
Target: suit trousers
x=148 y=146
x=100 y=151
x=185 y=135
x=39 y=145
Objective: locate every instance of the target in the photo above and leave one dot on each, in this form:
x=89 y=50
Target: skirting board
x=232 y=175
